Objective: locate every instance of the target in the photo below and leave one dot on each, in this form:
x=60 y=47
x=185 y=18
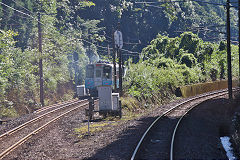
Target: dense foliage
x=168 y=63
x=63 y=57
x=141 y=22
x=76 y=32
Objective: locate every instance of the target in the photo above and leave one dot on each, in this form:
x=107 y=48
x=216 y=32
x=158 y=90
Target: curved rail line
x=17 y=136
x=140 y=143
x=180 y=120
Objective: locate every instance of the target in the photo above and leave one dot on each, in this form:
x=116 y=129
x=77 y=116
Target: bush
x=189 y=60
x=222 y=46
x=164 y=63
x=7 y=110
x=172 y=62
x=213 y=74
x=156 y=83
x=189 y=42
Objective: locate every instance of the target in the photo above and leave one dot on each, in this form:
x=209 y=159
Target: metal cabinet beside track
x=81 y=91
x=109 y=103
x=105 y=98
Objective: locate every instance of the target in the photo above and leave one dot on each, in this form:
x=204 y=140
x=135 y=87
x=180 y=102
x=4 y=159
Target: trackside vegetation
x=75 y=33
x=168 y=63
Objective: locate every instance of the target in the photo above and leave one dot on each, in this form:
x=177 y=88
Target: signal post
x=114 y=62
x=118 y=41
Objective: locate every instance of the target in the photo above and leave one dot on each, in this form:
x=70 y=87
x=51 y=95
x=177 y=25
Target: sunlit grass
x=94 y=128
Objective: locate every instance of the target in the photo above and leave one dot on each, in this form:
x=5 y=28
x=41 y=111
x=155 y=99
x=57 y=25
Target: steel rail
x=17 y=144
x=53 y=106
x=168 y=111
x=36 y=119
x=180 y=120
x=38 y=111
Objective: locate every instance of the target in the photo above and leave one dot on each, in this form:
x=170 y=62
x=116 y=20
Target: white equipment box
x=115 y=99
x=81 y=91
x=105 y=98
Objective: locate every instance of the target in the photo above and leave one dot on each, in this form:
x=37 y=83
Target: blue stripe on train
x=89 y=83
x=106 y=82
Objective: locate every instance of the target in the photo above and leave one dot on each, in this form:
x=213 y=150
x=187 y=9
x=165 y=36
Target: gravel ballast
x=118 y=141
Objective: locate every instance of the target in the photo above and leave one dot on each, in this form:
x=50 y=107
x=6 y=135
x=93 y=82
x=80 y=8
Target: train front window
x=90 y=72
x=98 y=74
x=107 y=72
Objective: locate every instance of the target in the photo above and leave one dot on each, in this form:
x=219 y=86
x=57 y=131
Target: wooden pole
x=229 y=51
x=40 y=60
x=239 y=41
x=120 y=72
x=114 y=62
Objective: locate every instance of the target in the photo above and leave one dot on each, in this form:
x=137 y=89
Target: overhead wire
x=157 y=2
x=93 y=43
x=200 y=28
x=17 y=15
x=211 y=26
x=108 y=36
x=125 y=54
x=20 y=12
x=101 y=50
x=35 y=18
x=12 y=19
x=47 y=27
x=22 y=6
x=125 y=50
x=149 y=5
x=127 y=43
x=205 y=2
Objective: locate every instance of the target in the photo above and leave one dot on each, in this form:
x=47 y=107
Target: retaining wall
x=200 y=88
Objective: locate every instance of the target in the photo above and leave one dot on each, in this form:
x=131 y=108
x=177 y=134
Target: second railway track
x=45 y=116
x=158 y=140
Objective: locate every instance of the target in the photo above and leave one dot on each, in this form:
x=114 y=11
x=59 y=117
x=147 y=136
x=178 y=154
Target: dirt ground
x=116 y=139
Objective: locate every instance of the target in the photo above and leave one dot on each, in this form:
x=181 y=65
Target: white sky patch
x=227 y=146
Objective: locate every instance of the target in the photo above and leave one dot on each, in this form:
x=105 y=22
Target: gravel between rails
x=59 y=141
x=6 y=126
x=12 y=123
x=199 y=134
x=10 y=139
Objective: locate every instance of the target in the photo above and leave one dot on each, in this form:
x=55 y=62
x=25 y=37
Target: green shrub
x=222 y=63
x=222 y=46
x=189 y=42
x=189 y=60
x=172 y=62
x=213 y=74
x=7 y=110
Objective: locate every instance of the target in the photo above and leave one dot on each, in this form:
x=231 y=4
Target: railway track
x=158 y=140
x=13 y=138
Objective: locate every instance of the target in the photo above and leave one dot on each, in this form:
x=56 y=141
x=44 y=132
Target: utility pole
x=119 y=44
x=120 y=71
x=40 y=59
x=114 y=62
x=229 y=51
x=108 y=50
x=239 y=41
